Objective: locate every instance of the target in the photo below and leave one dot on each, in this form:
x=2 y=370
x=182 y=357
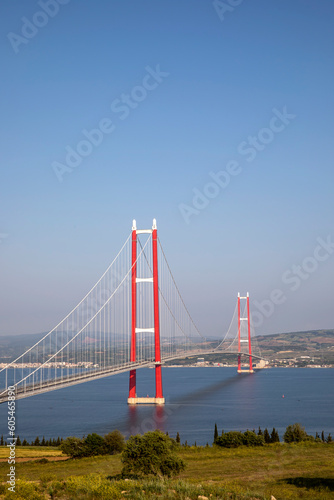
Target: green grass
x=303 y=471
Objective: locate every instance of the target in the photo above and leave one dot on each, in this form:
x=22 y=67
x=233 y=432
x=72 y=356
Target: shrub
x=73 y=447
x=91 y=486
x=295 y=434
x=114 y=442
x=251 y=439
x=25 y=490
x=153 y=453
x=94 y=445
x=231 y=439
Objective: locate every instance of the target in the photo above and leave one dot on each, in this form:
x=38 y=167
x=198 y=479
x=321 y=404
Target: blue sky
x=222 y=80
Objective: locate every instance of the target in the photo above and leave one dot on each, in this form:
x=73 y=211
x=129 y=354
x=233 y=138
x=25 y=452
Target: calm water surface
x=196 y=399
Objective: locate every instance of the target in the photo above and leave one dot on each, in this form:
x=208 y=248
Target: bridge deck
x=79 y=378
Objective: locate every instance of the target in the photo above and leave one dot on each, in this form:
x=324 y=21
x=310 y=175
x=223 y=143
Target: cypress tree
x=178 y=440
x=329 y=438
x=18 y=441
x=266 y=436
x=274 y=437
x=24 y=442
x=43 y=441
x=215 y=436
x=1 y=440
x=37 y=442
x=323 y=436
x=260 y=433
x=58 y=441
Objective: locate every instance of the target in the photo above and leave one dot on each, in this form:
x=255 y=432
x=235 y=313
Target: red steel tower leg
x=158 y=379
x=239 y=347
x=249 y=337
x=132 y=383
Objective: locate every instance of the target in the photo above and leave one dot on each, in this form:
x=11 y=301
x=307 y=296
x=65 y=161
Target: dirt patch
x=34 y=459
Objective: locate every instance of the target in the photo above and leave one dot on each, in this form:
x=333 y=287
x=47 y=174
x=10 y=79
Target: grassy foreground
x=304 y=470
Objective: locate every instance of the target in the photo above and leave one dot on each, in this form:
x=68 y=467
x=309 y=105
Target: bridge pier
x=147 y=400
x=245 y=371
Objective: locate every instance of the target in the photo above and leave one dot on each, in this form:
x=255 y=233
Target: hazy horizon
x=216 y=123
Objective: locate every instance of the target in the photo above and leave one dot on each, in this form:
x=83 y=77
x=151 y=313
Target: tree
x=43 y=441
x=274 y=437
x=323 y=436
x=231 y=439
x=178 y=439
x=1 y=441
x=250 y=438
x=215 y=435
x=329 y=438
x=153 y=453
x=266 y=436
x=114 y=442
x=295 y=433
x=25 y=442
x=37 y=442
x=94 y=445
x=18 y=441
x=73 y=447
x=260 y=433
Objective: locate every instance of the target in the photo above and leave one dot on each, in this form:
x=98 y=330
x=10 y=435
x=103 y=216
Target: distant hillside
x=12 y=346
x=314 y=344
x=317 y=344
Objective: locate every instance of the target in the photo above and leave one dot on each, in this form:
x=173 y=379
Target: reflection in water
x=140 y=421
x=211 y=389
x=144 y=418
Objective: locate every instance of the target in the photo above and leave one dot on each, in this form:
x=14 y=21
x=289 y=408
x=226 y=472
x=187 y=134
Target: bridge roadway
x=79 y=378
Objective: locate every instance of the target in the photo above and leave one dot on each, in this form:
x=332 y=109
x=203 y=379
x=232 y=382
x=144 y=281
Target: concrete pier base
x=245 y=371
x=146 y=401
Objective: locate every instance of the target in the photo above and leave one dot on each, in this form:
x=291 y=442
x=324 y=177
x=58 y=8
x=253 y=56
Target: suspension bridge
x=133 y=317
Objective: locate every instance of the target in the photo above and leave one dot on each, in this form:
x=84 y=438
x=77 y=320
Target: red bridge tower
x=245 y=339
